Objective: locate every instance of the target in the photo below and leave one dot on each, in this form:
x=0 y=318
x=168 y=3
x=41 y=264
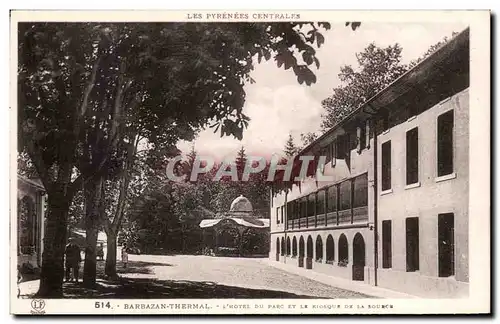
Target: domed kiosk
x=238 y=232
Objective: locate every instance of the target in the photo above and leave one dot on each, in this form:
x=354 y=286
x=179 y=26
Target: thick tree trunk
x=52 y=274
x=93 y=196
x=110 y=268
x=89 y=268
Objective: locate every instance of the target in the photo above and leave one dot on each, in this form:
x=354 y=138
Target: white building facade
x=395 y=211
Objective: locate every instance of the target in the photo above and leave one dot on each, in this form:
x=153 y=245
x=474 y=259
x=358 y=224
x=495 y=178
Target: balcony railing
x=342 y=217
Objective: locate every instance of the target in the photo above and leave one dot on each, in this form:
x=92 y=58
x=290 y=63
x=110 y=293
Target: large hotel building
x=395 y=214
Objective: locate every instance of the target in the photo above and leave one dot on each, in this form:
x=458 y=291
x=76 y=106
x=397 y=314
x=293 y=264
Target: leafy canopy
x=82 y=83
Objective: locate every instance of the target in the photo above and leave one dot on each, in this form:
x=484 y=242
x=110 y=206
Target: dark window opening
x=282 y=213
x=343 y=251
x=446 y=246
x=294 y=247
x=319 y=248
x=330 y=249
x=412 y=244
x=288 y=246
x=311 y=204
x=345 y=195
x=277 y=215
x=361 y=191
x=412 y=156
x=310 y=247
x=289 y=211
x=445 y=143
x=386 y=244
x=320 y=202
x=386 y=166
x=332 y=199
x=303 y=207
x=301 y=247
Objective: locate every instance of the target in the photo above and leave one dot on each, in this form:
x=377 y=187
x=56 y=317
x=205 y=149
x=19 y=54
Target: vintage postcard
x=250 y=162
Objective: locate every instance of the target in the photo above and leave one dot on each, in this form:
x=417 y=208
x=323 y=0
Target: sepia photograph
x=249 y=162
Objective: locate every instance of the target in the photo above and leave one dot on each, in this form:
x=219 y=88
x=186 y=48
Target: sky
x=278 y=105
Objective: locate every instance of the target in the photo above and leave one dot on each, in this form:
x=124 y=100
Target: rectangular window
x=289 y=211
x=445 y=144
x=361 y=191
x=303 y=207
x=320 y=202
x=412 y=156
x=311 y=204
x=277 y=215
x=412 y=244
x=282 y=213
x=331 y=204
x=386 y=244
x=345 y=195
x=446 y=244
x=386 y=166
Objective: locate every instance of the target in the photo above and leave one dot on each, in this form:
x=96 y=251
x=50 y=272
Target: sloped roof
x=255 y=222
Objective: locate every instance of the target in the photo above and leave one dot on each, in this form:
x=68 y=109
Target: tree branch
x=36 y=156
x=89 y=87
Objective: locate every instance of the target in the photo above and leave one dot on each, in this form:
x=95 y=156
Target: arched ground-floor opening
x=310 y=252
x=319 y=249
x=277 y=249
x=358 y=267
x=330 y=249
x=343 y=251
x=288 y=249
x=283 y=246
x=301 y=251
x=294 y=247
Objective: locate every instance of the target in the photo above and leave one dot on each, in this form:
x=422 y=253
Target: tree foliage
x=290 y=148
x=308 y=138
x=377 y=68
x=88 y=93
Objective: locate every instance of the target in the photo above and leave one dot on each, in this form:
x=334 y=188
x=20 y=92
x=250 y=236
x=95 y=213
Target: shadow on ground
x=133 y=267
x=168 y=289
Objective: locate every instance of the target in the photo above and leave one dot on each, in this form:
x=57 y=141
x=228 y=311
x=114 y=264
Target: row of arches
x=325 y=252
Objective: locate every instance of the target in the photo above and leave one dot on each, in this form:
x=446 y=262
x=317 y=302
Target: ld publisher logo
x=37 y=306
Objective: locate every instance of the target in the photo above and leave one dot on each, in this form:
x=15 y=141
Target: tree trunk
x=52 y=273
x=93 y=201
x=110 y=268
